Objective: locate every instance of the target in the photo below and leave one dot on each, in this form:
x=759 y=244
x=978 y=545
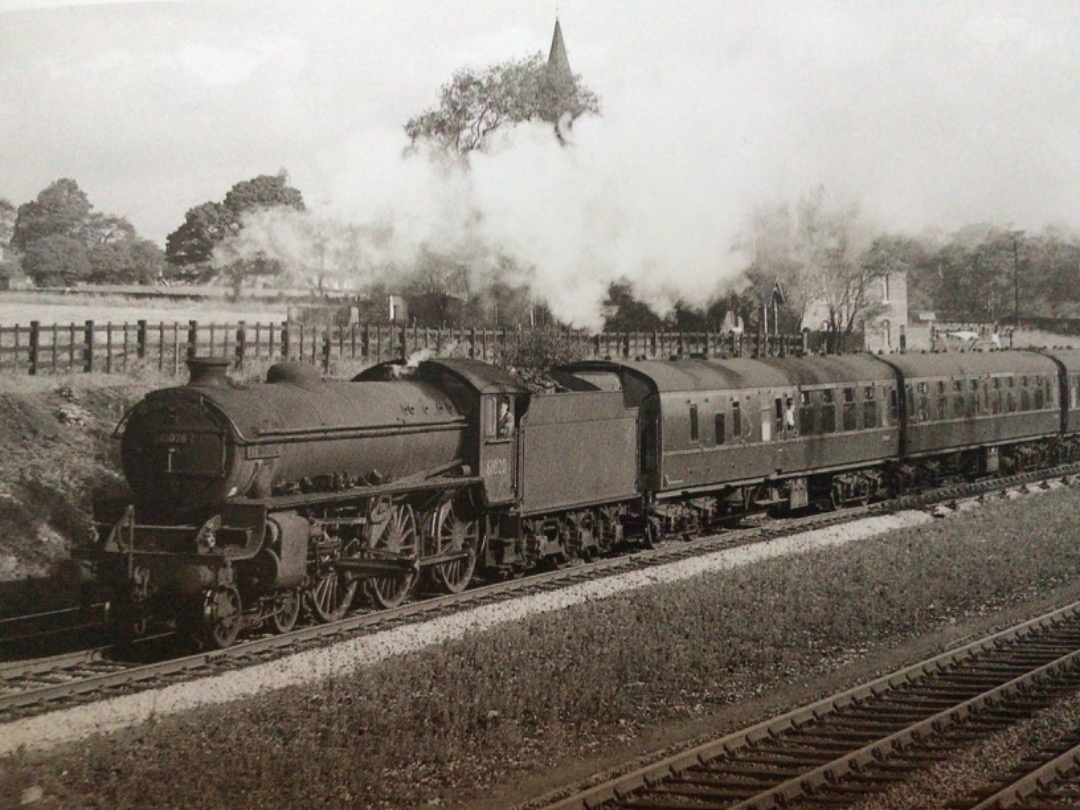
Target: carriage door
x=498 y=448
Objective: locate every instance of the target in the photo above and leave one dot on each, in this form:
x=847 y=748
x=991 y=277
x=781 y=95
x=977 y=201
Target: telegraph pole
x=1016 y=282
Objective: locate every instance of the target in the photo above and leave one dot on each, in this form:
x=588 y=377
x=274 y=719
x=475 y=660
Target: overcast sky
x=933 y=114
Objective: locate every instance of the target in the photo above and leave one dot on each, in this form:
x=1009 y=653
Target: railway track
x=34 y=686
x=1048 y=781
x=853 y=744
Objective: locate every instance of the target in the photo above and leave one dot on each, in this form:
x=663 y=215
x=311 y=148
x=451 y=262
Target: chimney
x=208 y=372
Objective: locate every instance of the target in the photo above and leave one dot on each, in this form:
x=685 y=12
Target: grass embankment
x=56 y=453
x=469 y=715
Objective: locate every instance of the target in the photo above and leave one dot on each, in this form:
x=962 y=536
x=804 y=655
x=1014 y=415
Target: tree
x=56 y=261
x=62 y=209
x=205 y=226
x=474 y=105
x=64 y=240
x=624 y=313
x=827 y=261
x=126 y=260
x=7 y=223
x=208 y=225
x=7 y=228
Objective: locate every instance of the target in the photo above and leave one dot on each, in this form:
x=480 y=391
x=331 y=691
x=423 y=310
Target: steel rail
x=875 y=751
x=1034 y=784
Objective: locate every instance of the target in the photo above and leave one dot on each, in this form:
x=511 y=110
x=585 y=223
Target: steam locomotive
x=255 y=502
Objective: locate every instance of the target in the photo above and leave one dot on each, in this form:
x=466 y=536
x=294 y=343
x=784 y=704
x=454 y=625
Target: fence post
x=285 y=340
x=404 y=342
x=326 y=347
x=241 y=344
x=35 y=342
x=88 y=347
x=140 y=350
x=193 y=338
x=176 y=348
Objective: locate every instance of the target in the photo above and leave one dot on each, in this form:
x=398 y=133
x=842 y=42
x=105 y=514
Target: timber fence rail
x=109 y=348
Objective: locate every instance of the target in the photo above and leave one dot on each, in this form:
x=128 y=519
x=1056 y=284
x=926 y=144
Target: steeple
x=558 y=66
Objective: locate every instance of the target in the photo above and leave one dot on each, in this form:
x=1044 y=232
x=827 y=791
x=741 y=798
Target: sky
x=927 y=115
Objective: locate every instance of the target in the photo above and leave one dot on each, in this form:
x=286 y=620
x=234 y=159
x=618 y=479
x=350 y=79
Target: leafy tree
x=7 y=228
x=264 y=191
x=205 y=226
x=1049 y=274
x=125 y=260
x=7 y=223
x=208 y=225
x=624 y=313
x=56 y=260
x=62 y=209
x=475 y=104
x=101 y=229
x=64 y=240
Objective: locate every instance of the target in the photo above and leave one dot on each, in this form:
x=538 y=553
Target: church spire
x=558 y=65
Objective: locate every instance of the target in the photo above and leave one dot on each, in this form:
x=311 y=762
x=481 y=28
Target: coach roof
x=837 y=368
x=691 y=374
x=969 y=364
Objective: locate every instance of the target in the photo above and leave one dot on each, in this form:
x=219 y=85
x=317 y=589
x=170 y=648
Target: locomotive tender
x=255 y=501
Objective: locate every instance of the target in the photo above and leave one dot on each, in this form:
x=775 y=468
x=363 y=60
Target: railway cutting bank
x=496 y=717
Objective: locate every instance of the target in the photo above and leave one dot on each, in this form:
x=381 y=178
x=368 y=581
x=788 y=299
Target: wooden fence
x=116 y=348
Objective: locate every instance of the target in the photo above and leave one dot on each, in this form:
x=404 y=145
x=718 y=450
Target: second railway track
x=853 y=744
x=31 y=687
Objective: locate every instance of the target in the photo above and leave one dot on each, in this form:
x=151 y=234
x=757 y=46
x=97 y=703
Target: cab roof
x=478 y=375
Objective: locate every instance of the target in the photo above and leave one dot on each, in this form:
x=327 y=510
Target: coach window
x=869 y=408
x=913 y=414
x=736 y=420
x=828 y=412
x=1010 y=401
x=718 y=427
x=958 y=405
x=849 y=409
x=894 y=406
x=1025 y=397
x=806 y=414
x=693 y=424
x=1040 y=394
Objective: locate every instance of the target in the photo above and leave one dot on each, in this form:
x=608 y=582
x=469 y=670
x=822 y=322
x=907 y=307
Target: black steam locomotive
x=255 y=502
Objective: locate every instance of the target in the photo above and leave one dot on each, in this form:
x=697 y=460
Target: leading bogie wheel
x=399 y=537
x=222 y=617
x=455 y=533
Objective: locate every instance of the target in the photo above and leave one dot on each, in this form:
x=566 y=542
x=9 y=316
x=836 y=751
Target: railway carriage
x=973 y=413
x=757 y=433
x=1068 y=362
